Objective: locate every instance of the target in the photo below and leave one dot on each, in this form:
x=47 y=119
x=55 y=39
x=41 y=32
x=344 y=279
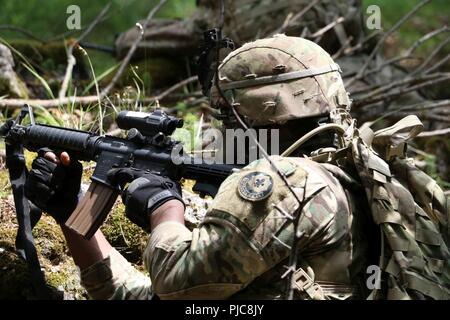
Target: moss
x=14 y=278
x=5 y=186
x=125 y=236
x=60 y=270
x=50 y=241
x=14 y=275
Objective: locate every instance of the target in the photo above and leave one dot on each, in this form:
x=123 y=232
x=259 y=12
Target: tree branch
x=71 y=61
x=428 y=134
x=362 y=71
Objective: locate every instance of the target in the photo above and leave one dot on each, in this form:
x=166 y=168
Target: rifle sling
x=15 y=161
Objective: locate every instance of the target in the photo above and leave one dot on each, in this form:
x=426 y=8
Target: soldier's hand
x=146 y=193
x=53 y=184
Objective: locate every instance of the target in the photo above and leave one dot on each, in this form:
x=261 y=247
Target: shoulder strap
x=390 y=142
x=15 y=161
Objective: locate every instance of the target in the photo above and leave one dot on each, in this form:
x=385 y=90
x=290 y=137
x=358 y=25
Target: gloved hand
x=146 y=193
x=54 y=187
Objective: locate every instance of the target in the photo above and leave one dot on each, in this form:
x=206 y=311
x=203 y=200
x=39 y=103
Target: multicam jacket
x=241 y=248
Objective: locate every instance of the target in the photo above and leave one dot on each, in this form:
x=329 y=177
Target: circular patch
x=255 y=186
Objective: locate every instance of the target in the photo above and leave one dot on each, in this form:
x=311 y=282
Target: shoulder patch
x=255 y=186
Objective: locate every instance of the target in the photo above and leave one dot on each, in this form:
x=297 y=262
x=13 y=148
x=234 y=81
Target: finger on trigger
x=65 y=158
x=51 y=157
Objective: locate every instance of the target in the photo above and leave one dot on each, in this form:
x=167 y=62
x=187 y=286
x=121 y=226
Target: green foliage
x=122 y=15
x=47 y=19
x=186 y=134
x=432 y=169
x=432 y=16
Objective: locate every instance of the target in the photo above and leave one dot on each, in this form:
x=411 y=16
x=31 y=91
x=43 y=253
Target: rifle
x=148 y=146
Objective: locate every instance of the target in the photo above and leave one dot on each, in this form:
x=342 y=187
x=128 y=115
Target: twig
x=350 y=50
x=21 y=30
x=175 y=87
x=297 y=16
x=427 y=134
x=286 y=21
x=438 y=64
x=133 y=48
x=362 y=71
x=97 y=47
x=15 y=103
x=431 y=56
x=325 y=29
x=377 y=89
x=47 y=103
x=426 y=37
x=83 y=101
x=432 y=117
x=30 y=35
x=427 y=106
x=415 y=107
x=342 y=48
x=71 y=61
x=400 y=92
x=408 y=53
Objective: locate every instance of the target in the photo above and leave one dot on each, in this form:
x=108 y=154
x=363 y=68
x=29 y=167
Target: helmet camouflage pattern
x=274 y=80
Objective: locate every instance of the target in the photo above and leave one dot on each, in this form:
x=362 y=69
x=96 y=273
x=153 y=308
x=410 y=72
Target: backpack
x=410 y=209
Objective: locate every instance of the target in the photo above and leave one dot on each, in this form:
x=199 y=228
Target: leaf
x=99 y=78
x=42 y=80
x=46 y=116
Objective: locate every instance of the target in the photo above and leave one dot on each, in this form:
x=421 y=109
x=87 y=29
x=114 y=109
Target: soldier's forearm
x=172 y=210
x=105 y=274
x=87 y=252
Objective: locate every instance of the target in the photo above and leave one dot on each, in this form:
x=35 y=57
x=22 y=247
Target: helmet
x=274 y=80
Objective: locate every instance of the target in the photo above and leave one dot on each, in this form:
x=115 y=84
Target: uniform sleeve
x=114 y=278
x=211 y=262
x=246 y=232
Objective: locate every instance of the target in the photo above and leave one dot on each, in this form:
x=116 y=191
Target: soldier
x=242 y=247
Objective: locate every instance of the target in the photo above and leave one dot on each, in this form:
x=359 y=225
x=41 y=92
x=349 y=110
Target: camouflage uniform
x=115 y=278
x=241 y=248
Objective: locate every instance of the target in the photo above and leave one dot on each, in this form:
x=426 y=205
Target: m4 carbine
x=147 y=147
